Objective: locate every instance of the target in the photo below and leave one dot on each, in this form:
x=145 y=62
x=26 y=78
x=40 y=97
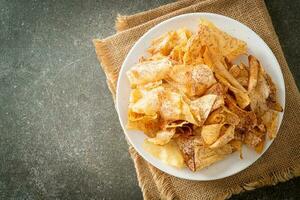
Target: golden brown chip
x=227 y=45
x=270 y=119
x=224 y=116
x=251 y=139
x=218 y=90
x=224 y=139
x=162 y=137
x=146 y=101
x=177 y=54
x=202 y=106
x=148 y=124
x=168 y=153
x=205 y=157
x=264 y=95
x=186 y=146
x=272 y=100
x=164 y=44
x=191 y=80
x=171 y=106
x=248 y=119
x=194 y=49
x=220 y=70
x=242 y=98
x=240 y=73
x=148 y=71
x=210 y=133
x=253 y=75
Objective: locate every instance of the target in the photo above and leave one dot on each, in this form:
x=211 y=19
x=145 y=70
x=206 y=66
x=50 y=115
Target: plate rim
x=267 y=48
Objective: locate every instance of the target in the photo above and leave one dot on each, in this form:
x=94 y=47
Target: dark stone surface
x=59 y=132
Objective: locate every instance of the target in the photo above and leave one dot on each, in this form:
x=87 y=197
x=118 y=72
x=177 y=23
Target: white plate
x=256 y=46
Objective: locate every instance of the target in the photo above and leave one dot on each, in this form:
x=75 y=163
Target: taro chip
x=270 y=119
x=148 y=71
x=192 y=80
x=202 y=106
x=218 y=90
x=170 y=109
x=240 y=73
x=186 y=146
x=146 y=101
x=162 y=137
x=251 y=139
x=242 y=97
x=213 y=37
x=193 y=54
x=168 y=153
x=210 y=133
x=224 y=139
x=148 y=124
x=205 y=157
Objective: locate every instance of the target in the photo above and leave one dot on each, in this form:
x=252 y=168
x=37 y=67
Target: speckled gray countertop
x=59 y=133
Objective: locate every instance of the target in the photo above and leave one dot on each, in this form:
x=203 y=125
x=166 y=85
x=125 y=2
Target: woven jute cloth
x=282 y=160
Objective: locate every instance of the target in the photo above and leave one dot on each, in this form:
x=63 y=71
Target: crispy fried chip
x=191 y=80
x=227 y=45
x=204 y=157
x=220 y=70
x=210 y=133
x=146 y=101
x=242 y=97
x=253 y=75
x=240 y=73
x=218 y=90
x=248 y=119
x=223 y=115
x=170 y=106
x=186 y=146
x=168 y=153
x=224 y=139
x=162 y=137
x=270 y=119
x=194 y=49
x=251 y=139
x=148 y=124
x=264 y=94
x=202 y=106
x=149 y=71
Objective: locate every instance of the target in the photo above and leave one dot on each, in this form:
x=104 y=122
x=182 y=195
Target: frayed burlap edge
x=121 y=23
x=267 y=180
x=104 y=58
x=124 y=22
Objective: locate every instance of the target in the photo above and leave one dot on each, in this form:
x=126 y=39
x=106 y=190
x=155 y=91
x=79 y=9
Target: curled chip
x=168 y=153
x=191 y=80
x=227 y=45
x=162 y=137
x=149 y=71
x=202 y=106
x=224 y=139
x=194 y=104
x=210 y=133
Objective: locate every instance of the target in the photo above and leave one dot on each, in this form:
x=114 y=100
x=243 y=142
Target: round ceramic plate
x=232 y=164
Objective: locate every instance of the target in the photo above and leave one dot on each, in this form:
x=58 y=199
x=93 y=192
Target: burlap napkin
x=280 y=163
